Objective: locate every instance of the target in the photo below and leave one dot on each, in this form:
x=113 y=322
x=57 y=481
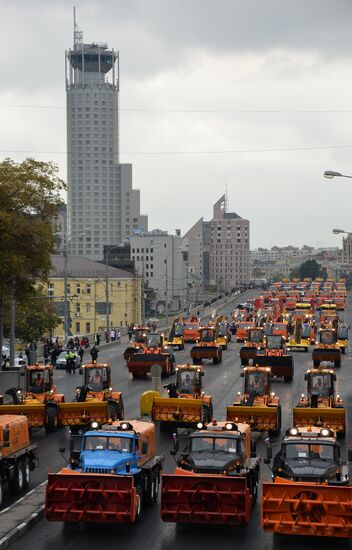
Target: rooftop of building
x=78 y=266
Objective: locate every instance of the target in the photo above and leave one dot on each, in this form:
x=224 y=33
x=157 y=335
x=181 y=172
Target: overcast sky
x=212 y=93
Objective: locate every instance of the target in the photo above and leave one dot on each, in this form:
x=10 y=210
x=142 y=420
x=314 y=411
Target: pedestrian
x=97 y=339
x=81 y=353
x=28 y=353
x=54 y=355
x=118 y=336
x=112 y=335
x=76 y=342
x=106 y=334
x=46 y=353
x=68 y=361
x=94 y=353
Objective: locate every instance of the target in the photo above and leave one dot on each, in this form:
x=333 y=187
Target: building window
x=87 y=328
x=88 y=308
x=78 y=288
x=88 y=289
x=78 y=328
x=78 y=308
x=50 y=290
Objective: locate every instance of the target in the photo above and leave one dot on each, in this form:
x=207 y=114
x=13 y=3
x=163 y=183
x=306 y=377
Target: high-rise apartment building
x=102 y=206
x=218 y=250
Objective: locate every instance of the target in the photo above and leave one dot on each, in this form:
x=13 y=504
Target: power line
x=187 y=153
x=168 y=110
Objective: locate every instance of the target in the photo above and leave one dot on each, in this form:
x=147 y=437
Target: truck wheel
x=17 y=484
x=26 y=473
x=316 y=362
x=278 y=422
x=51 y=419
x=210 y=413
x=120 y=412
x=139 y=508
x=343 y=350
x=220 y=356
x=1 y=493
x=337 y=363
x=306 y=349
x=244 y=362
x=288 y=378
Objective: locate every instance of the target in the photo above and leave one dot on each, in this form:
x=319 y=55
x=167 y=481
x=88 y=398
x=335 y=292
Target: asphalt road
x=222 y=382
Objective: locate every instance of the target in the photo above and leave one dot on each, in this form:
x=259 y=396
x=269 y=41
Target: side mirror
x=144 y=448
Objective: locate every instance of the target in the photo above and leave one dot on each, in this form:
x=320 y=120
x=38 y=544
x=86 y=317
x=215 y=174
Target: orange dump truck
x=191 y=330
x=310 y=493
x=17 y=456
x=216 y=479
x=110 y=478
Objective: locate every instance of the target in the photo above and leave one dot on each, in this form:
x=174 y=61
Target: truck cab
x=119 y=458
x=217 y=472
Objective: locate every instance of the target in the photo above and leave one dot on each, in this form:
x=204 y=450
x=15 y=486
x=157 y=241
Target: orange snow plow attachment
x=177 y=409
x=333 y=418
x=78 y=413
x=34 y=412
x=260 y=418
x=95 y=498
x=307 y=509
x=205 y=498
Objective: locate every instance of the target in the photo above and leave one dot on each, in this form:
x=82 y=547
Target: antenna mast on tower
x=77 y=32
x=226 y=198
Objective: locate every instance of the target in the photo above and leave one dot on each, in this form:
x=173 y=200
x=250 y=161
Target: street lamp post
x=330 y=174
x=107 y=305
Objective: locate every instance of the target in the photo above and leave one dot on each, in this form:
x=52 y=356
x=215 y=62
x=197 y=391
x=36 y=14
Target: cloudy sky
x=255 y=95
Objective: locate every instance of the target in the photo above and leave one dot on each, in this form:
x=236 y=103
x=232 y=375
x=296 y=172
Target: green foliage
x=35 y=316
x=29 y=199
x=310 y=268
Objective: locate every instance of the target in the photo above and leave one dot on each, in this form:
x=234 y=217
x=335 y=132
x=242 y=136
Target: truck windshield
x=222 y=329
x=320 y=384
x=139 y=336
x=207 y=336
x=255 y=335
x=178 y=329
x=215 y=444
x=104 y=443
x=327 y=337
x=255 y=381
x=153 y=340
x=274 y=341
x=305 y=330
x=305 y=451
x=343 y=332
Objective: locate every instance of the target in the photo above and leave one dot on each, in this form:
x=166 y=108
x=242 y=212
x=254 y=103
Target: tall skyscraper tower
x=100 y=195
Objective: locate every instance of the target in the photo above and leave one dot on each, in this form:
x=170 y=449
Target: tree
x=35 y=316
x=311 y=269
x=29 y=199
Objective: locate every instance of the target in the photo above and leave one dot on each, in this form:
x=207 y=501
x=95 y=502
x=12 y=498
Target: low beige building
x=86 y=293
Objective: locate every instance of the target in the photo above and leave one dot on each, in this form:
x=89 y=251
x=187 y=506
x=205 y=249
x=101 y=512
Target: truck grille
x=208 y=471
x=97 y=470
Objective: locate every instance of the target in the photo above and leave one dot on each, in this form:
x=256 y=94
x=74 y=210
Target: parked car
x=61 y=360
x=20 y=358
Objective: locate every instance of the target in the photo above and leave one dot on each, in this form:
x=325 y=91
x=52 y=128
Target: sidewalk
x=16 y=519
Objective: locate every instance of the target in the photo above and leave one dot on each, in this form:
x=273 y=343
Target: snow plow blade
x=280 y=365
x=77 y=413
x=141 y=363
x=201 y=498
x=327 y=354
x=35 y=413
x=307 y=509
x=178 y=410
x=204 y=352
x=260 y=418
x=324 y=417
x=94 y=498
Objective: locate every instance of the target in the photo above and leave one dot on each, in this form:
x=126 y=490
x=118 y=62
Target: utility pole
x=13 y=325
x=107 y=305
x=66 y=309
x=166 y=296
